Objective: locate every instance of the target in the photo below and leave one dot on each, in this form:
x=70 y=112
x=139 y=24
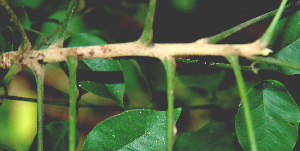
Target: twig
x=278 y=62
x=266 y=37
x=233 y=59
x=60 y=37
x=170 y=67
x=224 y=34
x=228 y=66
x=72 y=66
x=161 y=51
x=44 y=42
x=39 y=73
x=147 y=34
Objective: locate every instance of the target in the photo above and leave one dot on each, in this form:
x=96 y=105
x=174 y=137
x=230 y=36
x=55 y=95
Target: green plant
x=140 y=78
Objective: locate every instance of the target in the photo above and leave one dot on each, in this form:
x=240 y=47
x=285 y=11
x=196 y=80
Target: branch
x=72 y=66
x=228 y=66
x=266 y=37
x=60 y=37
x=39 y=72
x=199 y=48
x=170 y=67
x=45 y=41
x=147 y=34
x=233 y=59
x=275 y=61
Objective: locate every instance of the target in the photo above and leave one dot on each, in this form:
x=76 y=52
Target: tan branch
x=198 y=48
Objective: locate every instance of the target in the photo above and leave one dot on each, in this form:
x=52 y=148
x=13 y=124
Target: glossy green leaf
x=114 y=92
x=108 y=82
x=208 y=82
x=131 y=130
x=289 y=54
x=154 y=71
x=275 y=117
x=213 y=136
x=56 y=137
x=285 y=31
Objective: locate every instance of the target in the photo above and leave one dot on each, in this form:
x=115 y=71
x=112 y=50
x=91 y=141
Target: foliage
x=132 y=130
x=275 y=113
x=133 y=103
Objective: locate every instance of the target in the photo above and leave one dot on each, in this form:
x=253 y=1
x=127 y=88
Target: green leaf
x=285 y=31
x=213 y=136
x=76 y=25
x=131 y=130
x=56 y=136
x=106 y=79
x=275 y=117
x=154 y=71
x=289 y=54
x=84 y=39
x=208 y=82
x=114 y=92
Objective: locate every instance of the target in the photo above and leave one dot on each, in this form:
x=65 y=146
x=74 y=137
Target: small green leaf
x=275 y=117
x=131 y=130
x=56 y=136
x=213 y=136
x=114 y=92
x=109 y=84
